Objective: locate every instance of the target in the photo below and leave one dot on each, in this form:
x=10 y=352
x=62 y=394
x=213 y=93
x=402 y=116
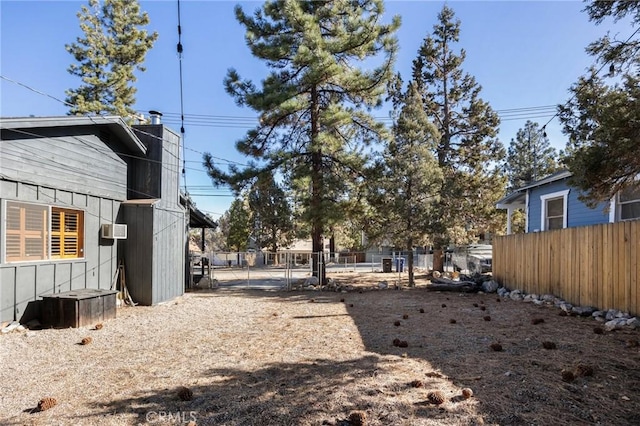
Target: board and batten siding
x=154 y=251
x=578 y=213
x=24 y=282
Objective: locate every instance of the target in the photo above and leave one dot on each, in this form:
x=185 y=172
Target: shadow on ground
x=281 y=394
x=520 y=384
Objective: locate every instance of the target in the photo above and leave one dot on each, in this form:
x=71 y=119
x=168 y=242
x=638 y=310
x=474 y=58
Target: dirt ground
x=257 y=357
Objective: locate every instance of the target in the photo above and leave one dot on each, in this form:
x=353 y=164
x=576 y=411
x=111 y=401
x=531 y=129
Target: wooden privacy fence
x=595 y=266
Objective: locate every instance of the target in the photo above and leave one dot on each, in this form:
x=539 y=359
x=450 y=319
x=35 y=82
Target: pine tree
x=410 y=177
x=239 y=226
x=271 y=214
x=313 y=104
x=602 y=118
x=530 y=156
x=468 y=152
x=113 y=47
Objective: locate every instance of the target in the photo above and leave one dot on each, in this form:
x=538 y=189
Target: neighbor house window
x=629 y=203
x=37 y=232
x=554 y=210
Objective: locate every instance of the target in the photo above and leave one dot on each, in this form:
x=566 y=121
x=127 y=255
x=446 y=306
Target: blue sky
x=523 y=53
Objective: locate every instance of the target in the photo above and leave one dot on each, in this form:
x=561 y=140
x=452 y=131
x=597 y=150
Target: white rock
x=383 y=285
x=613 y=325
x=548 y=297
x=10 y=327
x=490 y=286
x=611 y=314
x=633 y=323
x=566 y=307
x=311 y=281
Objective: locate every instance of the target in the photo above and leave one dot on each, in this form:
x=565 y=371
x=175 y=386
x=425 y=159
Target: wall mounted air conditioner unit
x=114 y=231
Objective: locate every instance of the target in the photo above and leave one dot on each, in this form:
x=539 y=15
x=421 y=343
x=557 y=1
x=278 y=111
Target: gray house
x=69 y=188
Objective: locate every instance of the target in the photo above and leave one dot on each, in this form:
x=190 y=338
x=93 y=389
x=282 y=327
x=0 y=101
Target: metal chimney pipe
x=156 y=117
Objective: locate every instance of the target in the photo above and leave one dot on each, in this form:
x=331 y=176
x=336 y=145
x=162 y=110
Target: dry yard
x=252 y=357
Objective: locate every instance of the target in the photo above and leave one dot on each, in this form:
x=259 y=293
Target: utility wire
x=179 y=48
x=604 y=64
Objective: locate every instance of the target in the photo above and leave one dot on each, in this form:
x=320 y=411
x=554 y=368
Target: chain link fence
x=288 y=269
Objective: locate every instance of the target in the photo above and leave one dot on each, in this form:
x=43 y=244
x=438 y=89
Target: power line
x=604 y=64
x=179 y=48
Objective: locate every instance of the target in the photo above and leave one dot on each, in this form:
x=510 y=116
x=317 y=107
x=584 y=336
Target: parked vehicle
x=473 y=258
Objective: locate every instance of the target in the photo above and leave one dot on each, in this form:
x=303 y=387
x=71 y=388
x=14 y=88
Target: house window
x=26 y=232
x=66 y=233
x=629 y=203
x=554 y=210
x=37 y=232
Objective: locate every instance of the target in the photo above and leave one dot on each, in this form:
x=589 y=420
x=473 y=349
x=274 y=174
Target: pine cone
x=567 y=375
x=436 y=397
x=583 y=370
x=98 y=326
x=467 y=393
x=548 y=345
x=185 y=393
x=358 y=418
x=496 y=347
x=403 y=344
x=452 y=321
x=46 y=403
x=417 y=384
x=486 y=318
x=536 y=321
x=86 y=340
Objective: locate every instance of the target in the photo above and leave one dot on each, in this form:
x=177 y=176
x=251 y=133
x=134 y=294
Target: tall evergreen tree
x=530 y=156
x=602 y=118
x=410 y=177
x=113 y=47
x=239 y=226
x=468 y=152
x=271 y=214
x=313 y=104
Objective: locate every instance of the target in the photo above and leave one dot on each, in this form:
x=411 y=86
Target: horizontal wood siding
x=578 y=213
x=596 y=265
x=73 y=161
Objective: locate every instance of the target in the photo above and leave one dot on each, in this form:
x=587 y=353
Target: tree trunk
x=438 y=260
x=317 y=219
x=410 y=262
x=332 y=246
x=275 y=255
x=443 y=284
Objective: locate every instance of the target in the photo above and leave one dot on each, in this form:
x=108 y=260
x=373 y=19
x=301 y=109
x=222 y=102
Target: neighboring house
x=550 y=203
x=61 y=180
